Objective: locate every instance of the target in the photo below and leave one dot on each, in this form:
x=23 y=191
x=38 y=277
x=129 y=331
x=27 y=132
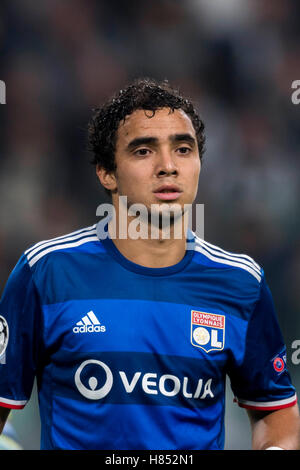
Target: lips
x=167 y=192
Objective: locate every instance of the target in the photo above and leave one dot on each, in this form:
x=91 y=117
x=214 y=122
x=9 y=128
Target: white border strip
x=236 y=255
x=267 y=404
x=61 y=247
x=43 y=242
x=13 y=402
x=232 y=258
x=52 y=242
x=228 y=263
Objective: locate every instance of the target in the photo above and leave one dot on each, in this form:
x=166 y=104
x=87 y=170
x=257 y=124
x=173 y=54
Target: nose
x=166 y=165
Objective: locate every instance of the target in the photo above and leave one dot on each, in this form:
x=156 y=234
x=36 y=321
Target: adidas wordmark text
x=89 y=324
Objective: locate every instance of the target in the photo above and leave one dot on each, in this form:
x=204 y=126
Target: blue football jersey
x=130 y=357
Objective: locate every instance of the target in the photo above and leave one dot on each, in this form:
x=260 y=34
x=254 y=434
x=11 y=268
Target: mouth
x=167 y=192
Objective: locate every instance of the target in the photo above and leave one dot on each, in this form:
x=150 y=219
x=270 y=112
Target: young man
x=131 y=338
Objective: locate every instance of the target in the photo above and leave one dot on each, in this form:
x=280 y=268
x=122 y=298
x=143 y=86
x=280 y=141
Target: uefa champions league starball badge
x=3 y=335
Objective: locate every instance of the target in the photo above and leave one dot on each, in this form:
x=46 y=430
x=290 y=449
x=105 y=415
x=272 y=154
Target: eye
x=184 y=150
x=141 y=152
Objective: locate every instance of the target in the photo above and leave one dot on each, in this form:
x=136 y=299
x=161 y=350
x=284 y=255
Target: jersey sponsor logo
x=92 y=392
x=207 y=330
x=149 y=383
x=89 y=324
x=4 y=335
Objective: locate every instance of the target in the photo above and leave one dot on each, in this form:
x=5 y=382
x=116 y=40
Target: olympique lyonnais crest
x=207 y=330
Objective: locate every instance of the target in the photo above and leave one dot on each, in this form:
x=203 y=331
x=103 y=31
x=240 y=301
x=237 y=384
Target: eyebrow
x=183 y=138
x=154 y=140
x=141 y=141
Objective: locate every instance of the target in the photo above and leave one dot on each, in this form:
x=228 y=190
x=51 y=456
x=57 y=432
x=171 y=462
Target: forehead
x=161 y=124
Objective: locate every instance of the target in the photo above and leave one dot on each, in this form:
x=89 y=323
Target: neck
x=146 y=244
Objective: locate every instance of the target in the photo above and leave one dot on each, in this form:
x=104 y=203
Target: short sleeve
x=19 y=337
x=262 y=381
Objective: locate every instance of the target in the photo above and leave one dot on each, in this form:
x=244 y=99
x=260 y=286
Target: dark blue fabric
x=129 y=357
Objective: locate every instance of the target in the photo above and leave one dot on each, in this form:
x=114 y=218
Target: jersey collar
x=137 y=268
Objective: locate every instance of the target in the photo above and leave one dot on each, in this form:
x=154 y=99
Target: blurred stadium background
x=236 y=59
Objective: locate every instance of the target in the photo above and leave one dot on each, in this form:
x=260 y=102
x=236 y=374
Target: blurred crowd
x=236 y=59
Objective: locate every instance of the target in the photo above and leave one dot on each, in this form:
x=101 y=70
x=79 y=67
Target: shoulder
x=219 y=258
x=60 y=244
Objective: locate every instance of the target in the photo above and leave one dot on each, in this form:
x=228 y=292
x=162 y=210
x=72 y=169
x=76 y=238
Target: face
x=157 y=159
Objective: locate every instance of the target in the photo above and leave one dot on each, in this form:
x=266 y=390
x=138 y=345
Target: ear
x=106 y=178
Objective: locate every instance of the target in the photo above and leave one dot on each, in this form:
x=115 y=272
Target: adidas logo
x=89 y=324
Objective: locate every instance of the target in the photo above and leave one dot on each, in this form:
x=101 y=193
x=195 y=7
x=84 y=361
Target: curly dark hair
x=145 y=94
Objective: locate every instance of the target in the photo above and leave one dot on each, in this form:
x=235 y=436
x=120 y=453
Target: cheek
x=194 y=171
x=130 y=181
x=194 y=179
